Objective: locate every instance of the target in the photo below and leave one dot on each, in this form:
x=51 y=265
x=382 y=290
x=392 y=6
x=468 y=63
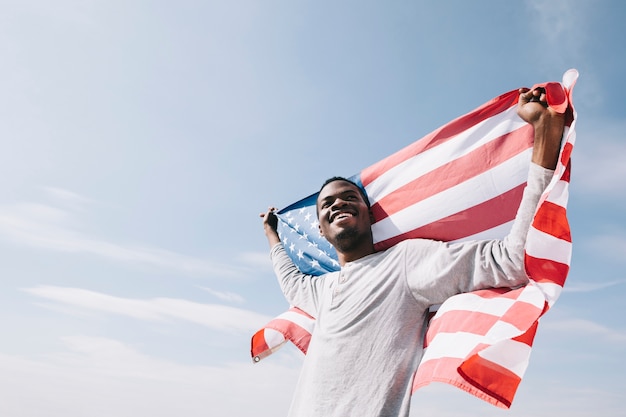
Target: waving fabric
x=463 y=181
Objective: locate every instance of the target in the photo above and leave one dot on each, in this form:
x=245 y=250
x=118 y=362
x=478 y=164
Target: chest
x=367 y=294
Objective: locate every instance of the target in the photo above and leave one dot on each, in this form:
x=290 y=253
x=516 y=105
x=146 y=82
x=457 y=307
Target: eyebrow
x=340 y=194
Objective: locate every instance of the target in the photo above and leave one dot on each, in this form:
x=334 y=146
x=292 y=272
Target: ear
x=319 y=227
x=372 y=219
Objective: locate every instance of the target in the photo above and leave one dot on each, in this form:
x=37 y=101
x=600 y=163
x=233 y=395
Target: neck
x=357 y=253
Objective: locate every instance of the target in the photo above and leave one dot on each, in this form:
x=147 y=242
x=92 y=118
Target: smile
x=341 y=216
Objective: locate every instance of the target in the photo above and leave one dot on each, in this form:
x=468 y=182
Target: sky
x=140 y=140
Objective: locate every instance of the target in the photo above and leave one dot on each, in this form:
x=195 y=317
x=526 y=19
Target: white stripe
x=273 y=338
x=474 y=303
x=559 y=194
x=301 y=320
x=490 y=184
x=433 y=158
x=532 y=295
x=550 y=290
x=452 y=345
x=498 y=232
x=509 y=354
x=502 y=330
x=544 y=246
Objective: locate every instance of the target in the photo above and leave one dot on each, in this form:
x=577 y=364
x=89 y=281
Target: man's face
x=344 y=217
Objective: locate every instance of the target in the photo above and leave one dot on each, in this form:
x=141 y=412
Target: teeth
x=342 y=216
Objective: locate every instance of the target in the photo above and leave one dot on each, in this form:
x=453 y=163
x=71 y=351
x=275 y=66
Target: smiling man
x=343 y=211
x=372 y=313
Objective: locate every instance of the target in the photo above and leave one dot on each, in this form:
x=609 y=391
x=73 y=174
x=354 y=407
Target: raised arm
x=547 y=123
x=300 y=290
x=461 y=267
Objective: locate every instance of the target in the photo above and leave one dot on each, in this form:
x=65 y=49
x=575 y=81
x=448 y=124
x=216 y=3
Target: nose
x=338 y=203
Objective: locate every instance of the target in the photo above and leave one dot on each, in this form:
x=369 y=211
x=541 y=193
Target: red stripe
x=441 y=135
x=499 y=293
x=552 y=219
x=441 y=366
x=567 y=152
x=299 y=336
x=484 y=216
x=491 y=378
x=567 y=173
x=529 y=336
x=546 y=270
x=466 y=321
x=259 y=348
x=521 y=315
x=455 y=172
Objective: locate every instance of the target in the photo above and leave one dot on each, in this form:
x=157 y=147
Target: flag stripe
x=552 y=219
x=450 y=130
x=497 y=386
x=443 y=177
x=418 y=164
x=546 y=270
x=474 y=191
x=485 y=215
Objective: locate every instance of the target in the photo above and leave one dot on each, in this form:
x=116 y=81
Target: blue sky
x=141 y=139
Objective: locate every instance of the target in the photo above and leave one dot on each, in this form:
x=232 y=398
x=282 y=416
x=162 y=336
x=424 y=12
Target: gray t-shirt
x=371 y=314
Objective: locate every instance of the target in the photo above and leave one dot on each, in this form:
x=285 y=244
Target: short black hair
x=361 y=190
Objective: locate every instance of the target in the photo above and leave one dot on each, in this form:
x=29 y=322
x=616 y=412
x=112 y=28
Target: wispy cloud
x=52 y=228
x=224 y=295
x=257 y=260
x=586 y=327
x=100 y=376
x=215 y=316
x=591 y=286
x=67 y=197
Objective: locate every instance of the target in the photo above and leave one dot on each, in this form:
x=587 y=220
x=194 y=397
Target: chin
x=347 y=239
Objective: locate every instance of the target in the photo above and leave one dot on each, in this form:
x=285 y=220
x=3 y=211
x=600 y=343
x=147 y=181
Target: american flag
x=463 y=181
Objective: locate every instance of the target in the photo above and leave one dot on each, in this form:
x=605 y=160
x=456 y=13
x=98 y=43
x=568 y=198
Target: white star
x=300 y=254
x=292 y=247
x=314 y=224
x=307 y=217
x=315 y=264
x=304 y=236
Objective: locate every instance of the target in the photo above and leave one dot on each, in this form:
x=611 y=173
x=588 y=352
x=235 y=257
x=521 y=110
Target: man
x=371 y=315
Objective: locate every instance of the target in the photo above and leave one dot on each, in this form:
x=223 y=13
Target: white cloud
x=67 y=198
x=225 y=295
x=591 y=286
x=215 y=316
x=102 y=377
x=582 y=326
x=257 y=259
x=52 y=228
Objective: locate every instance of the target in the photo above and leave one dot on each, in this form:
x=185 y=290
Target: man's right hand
x=270 y=226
